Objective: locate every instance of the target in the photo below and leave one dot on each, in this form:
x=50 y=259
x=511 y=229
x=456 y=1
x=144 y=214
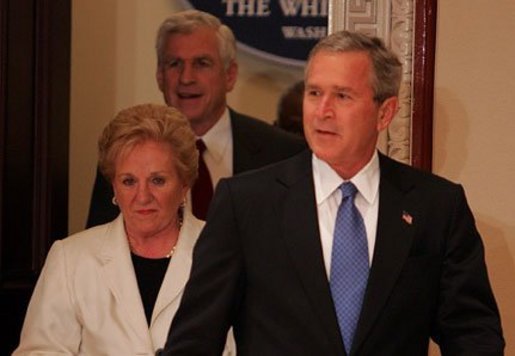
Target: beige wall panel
x=474 y=125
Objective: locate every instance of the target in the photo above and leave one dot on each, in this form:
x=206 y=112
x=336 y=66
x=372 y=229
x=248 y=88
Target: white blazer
x=87 y=301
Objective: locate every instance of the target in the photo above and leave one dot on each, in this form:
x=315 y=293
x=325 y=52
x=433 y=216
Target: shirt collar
x=218 y=137
x=327 y=180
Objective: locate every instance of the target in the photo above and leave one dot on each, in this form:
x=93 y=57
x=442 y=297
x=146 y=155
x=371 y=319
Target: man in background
x=196 y=68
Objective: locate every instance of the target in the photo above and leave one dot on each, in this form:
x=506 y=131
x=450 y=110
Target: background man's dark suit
x=258 y=265
x=255 y=144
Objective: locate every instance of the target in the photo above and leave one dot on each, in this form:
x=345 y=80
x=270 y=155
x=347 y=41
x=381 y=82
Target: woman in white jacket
x=114 y=289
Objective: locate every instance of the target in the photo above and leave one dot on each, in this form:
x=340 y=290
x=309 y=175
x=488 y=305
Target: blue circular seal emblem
x=280 y=30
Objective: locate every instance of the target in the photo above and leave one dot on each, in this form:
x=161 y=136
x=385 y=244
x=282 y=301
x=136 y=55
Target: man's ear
x=231 y=76
x=160 y=79
x=387 y=112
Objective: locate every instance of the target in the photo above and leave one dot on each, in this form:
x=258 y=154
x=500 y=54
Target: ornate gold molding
x=393 y=21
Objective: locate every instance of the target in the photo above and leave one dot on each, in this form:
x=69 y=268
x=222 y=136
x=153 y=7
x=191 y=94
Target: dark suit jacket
x=258 y=266
x=255 y=144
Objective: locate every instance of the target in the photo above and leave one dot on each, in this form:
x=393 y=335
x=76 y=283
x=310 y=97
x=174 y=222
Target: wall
x=473 y=121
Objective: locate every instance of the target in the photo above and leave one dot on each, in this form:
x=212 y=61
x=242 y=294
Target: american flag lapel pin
x=408 y=219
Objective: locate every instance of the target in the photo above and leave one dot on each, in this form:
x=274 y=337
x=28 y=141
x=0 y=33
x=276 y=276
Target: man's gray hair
x=186 y=22
x=387 y=69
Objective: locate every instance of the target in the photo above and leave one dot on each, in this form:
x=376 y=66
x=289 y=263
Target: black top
x=150 y=273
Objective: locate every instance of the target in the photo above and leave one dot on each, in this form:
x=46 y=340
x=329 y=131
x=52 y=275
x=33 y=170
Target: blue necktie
x=349 y=264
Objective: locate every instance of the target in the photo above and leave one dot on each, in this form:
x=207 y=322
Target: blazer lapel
x=395 y=230
x=118 y=271
x=178 y=270
x=303 y=241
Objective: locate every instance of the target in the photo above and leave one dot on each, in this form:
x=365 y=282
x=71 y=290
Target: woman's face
x=148 y=188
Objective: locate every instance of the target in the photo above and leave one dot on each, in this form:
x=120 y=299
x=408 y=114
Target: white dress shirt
x=218 y=155
x=219 y=149
x=328 y=198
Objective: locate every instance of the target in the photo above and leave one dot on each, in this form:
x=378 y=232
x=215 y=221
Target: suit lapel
x=303 y=242
x=395 y=230
x=117 y=270
x=245 y=148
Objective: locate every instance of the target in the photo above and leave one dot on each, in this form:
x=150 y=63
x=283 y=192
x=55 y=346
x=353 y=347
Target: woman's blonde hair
x=152 y=122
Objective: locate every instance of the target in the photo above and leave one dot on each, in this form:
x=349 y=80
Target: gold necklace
x=169 y=254
x=133 y=249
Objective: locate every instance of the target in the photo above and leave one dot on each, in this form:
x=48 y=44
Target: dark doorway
x=34 y=110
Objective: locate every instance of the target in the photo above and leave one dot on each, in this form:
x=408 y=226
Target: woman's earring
x=114 y=201
x=180 y=213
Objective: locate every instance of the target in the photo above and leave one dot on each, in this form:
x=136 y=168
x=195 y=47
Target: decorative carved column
x=395 y=22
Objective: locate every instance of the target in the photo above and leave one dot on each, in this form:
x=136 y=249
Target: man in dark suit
x=196 y=69
x=268 y=261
